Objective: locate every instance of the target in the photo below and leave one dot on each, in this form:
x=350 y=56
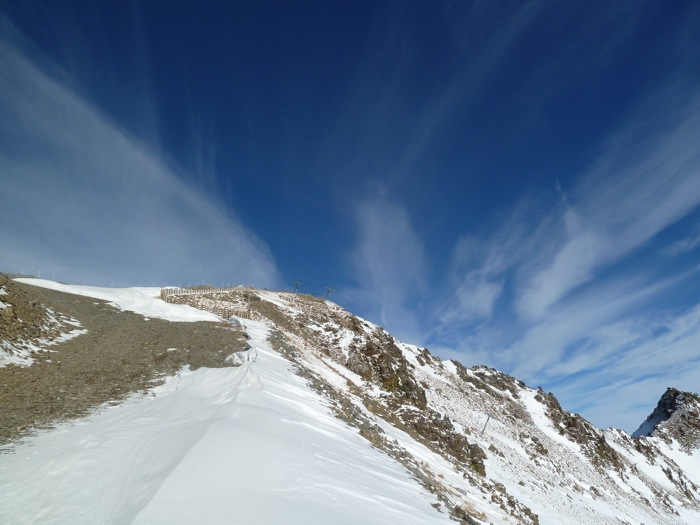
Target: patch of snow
x=646 y=428
x=144 y=301
x=345 y=340
x=234 y=360
x=276 y=299
x=645 y=468
x=20 y=354
x=14 y=355
x=690 y=462
x=616 y=478
x=67 y=336
x=450 y=366
x=334 y=373
x=443 y=470
x=428 y=368
x=539 y=417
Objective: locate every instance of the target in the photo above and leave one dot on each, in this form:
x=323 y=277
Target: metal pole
x=487 y=422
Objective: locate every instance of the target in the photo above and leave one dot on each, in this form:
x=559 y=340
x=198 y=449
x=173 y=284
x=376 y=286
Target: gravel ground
x=122 y=353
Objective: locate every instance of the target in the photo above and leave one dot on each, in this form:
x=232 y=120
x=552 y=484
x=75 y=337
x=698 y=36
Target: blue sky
x=514 y=184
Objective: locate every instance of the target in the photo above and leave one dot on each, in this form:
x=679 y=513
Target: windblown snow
x=257 y=444
x=249 y=445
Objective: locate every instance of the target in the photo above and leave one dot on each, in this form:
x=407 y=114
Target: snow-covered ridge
x=250 y=444
x=673 y=404
x=550 y=461
x=331 y=419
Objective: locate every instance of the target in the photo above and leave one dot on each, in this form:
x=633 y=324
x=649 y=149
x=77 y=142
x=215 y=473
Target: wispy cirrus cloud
x=559 y=286
x=84 y=200
x=685 y=245
x=631 y=363
x=585 y=331
x=577 y=296
x=388 y=262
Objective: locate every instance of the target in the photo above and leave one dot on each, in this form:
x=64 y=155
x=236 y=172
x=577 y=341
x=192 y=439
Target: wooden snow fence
x=224 y=302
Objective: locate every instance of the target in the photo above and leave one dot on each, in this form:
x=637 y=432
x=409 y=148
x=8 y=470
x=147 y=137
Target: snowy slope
x=329 y=419
x=279 y=456
x=538 y=458
x=250 y=444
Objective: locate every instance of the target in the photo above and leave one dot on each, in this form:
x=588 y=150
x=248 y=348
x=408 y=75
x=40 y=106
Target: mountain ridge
x=677 y=416
x=412 y=400
x=484 y=444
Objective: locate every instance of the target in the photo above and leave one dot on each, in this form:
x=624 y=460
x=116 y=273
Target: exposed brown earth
x=122 y=353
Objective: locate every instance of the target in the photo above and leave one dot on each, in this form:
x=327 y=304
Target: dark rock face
x=381 y=361
x=664 y=409
x=677 y=415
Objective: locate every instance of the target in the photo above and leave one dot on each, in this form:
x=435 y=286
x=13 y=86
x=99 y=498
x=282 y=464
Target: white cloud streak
x=685 y=245
x=633 y=194
x=389 y=265
x=571 y=312
x=83 y=200
x=631 y=364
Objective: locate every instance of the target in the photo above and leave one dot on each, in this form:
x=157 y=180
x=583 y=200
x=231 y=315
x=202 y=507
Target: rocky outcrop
x=676 y=416
x=26 y=325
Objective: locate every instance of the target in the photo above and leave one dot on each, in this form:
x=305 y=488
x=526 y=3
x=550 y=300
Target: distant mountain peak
x=677 y=415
